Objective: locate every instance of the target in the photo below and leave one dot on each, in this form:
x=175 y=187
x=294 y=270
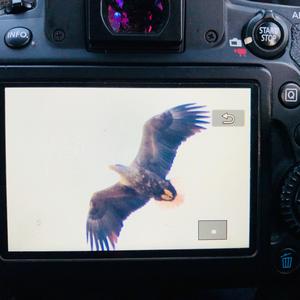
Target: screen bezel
x=142 y=254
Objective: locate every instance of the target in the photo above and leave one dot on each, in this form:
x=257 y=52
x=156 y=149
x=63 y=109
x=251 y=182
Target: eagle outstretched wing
x=163 y=134
x=108 y=209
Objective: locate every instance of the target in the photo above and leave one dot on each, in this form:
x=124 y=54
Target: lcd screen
x=127 y=169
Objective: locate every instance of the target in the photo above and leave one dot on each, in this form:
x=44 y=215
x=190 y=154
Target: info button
x=18 y=37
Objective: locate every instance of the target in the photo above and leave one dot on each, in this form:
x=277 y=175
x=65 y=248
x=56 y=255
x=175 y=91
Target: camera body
x=205 y=44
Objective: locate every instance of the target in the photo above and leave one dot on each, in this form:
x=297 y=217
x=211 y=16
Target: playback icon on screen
x=212 y=230
x=228 y=118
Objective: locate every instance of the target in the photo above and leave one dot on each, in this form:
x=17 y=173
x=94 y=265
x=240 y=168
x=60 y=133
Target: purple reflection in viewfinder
x=137 y=16
x=120 y=3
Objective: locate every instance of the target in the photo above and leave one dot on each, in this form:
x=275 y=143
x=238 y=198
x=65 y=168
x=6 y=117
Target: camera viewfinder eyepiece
x=139 y=25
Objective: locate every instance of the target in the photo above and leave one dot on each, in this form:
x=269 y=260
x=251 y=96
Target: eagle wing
x=108 y=209
x=164 y=133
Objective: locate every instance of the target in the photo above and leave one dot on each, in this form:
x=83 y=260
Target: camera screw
x=59 y=35
x=211 y=36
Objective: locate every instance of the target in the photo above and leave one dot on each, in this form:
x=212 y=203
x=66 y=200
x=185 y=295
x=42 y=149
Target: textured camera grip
x=295 y=48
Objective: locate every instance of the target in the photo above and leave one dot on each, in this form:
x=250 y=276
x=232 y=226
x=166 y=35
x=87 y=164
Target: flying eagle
x=145 y=178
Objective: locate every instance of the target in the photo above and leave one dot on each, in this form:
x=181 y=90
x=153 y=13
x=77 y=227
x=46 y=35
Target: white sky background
x=60 y=142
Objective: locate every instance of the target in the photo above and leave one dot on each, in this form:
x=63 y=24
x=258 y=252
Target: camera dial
x=266 y=35
x=16 y=6
x=290 y=200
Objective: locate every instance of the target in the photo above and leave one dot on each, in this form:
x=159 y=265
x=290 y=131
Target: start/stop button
x=266 y=35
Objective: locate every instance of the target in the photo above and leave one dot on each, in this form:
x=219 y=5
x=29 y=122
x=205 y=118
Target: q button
x=290 y=95
x=18 y=37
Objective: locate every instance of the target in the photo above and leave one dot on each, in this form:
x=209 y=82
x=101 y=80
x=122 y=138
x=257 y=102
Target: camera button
x=18 y=37
x=287 y=261
x=268 y=34
x=290 y=95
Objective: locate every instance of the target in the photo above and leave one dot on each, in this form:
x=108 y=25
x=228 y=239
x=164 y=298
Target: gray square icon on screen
x=228 y=118
x=212 y=230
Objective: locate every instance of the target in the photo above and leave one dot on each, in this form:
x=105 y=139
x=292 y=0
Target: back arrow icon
x=230 y=119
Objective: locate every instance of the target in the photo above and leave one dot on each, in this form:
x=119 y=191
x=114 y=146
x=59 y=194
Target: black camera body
x=178 y=44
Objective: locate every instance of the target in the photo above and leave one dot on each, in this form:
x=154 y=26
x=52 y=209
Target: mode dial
x=266 y=35
x=290 y=200
x=16 y=6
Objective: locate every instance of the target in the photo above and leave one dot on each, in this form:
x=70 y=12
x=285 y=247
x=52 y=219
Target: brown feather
x=109 y=208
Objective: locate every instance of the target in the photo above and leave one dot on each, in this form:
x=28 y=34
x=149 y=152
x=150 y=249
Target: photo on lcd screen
x=106 y=169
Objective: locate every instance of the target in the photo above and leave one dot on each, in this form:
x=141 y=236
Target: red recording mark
x=242 y=52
